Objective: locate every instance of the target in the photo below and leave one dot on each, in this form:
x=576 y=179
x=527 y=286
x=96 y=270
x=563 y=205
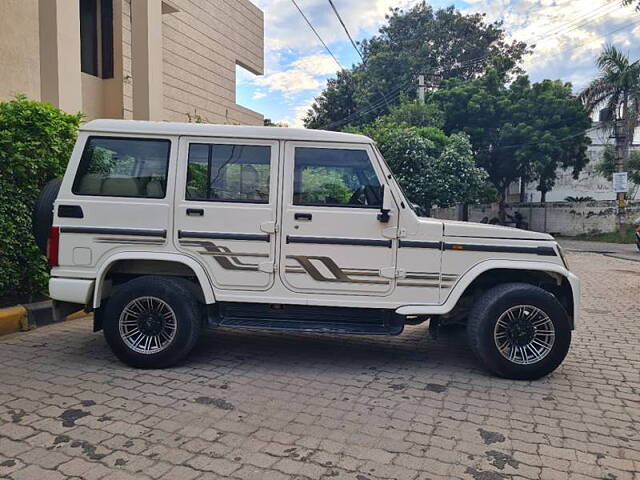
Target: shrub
x=36 y=141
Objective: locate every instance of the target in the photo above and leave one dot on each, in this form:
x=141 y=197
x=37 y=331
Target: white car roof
x=227 y=131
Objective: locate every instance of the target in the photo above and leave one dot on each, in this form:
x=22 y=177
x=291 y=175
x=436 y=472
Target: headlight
x=562 y=256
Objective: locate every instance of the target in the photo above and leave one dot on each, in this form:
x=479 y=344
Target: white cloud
x=289 y=82
x=296 y=120
x=318 y=64
x=303 y=74
x=258 y=95
x=568 y=35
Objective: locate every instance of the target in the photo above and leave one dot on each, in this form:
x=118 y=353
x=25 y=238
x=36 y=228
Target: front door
x=332 y=241
x=225 y=211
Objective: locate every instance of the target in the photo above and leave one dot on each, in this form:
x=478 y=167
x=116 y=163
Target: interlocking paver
x=277 y=406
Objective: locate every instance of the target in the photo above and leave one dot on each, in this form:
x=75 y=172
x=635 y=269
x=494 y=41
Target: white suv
x=162 y=229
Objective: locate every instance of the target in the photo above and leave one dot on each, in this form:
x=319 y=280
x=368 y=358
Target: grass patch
x=626 y=235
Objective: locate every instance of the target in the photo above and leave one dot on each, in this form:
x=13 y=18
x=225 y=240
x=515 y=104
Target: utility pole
x=621 y=143
x=421 y=89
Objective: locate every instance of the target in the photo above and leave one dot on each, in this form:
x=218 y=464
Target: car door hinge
x=392 y=272
x=269 y=227
x=267 y=267
x=394 y=232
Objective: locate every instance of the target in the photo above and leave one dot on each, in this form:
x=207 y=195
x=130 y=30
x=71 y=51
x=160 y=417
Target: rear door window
x=123 y=167
x=228 y=173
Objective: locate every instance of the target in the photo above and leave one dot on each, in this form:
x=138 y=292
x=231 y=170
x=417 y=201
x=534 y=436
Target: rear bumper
x=72 y=290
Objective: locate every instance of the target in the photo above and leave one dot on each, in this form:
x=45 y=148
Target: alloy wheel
x=147 y=325
x=524 y=334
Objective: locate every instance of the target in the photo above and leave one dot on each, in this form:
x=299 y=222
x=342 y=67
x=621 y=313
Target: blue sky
x=568 y=35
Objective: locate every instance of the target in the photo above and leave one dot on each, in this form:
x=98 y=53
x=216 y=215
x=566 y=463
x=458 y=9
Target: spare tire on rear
x=42 y=218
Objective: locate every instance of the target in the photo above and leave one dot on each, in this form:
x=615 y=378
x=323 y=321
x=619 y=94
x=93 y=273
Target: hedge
x=36 y=141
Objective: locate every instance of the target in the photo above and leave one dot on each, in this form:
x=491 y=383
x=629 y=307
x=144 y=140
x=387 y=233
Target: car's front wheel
x=519 y=331
x=152 y=321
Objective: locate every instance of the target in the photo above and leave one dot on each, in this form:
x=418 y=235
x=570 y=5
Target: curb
x=13 y=319
x=23 y=318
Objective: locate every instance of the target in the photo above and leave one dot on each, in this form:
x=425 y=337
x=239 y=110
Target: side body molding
x=470 y=275
x=201 y=275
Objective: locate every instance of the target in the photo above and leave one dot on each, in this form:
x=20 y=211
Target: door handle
x=195 y=212
x=303 y=216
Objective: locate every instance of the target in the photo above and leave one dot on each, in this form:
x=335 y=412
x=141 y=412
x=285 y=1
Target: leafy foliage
x=518 y=130
x=578 y=199
x=443 y=43
x=36 y=141
x=432 y=169
x=607 y=166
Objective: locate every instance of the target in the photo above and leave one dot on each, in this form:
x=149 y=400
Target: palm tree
x=617 y=88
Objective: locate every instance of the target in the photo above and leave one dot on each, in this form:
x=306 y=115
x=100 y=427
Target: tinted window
x=327 y=176
x=123 y=167
x=228 y=173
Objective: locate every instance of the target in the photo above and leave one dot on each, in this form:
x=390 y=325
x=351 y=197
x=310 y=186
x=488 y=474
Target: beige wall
x=202 y=42
x=19 y=49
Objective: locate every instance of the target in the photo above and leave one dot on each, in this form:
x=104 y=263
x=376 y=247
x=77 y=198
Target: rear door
x=225 y=212
x=116 y=198
x=332 y=241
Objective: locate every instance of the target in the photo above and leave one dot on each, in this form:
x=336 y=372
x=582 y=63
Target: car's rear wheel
x=152 y=321
x=519 y=331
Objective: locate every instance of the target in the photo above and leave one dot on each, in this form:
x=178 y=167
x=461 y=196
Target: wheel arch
x=494 y=272
x=146 y=263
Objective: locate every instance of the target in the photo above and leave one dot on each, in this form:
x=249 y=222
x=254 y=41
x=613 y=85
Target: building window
x=96 y=37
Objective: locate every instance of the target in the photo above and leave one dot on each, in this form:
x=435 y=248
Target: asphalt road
x=623 y=251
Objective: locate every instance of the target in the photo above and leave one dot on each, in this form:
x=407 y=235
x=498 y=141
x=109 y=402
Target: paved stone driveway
x=256 y=406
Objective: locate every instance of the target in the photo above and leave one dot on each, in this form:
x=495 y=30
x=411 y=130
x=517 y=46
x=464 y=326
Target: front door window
x=335 y=177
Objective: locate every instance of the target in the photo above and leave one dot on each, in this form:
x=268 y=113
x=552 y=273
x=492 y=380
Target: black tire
x=42 y=217
x=174 y=292
x=485 y=315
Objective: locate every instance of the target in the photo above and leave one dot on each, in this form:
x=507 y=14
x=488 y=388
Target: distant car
x=162 y=229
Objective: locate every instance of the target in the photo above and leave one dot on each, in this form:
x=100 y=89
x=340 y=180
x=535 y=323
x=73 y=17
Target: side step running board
x=310 y=326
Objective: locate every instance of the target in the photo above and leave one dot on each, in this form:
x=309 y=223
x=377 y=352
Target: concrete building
x=589 y=183
x=134 y=59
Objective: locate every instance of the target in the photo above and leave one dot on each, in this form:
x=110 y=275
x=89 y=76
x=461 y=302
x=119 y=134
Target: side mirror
x=384 y=216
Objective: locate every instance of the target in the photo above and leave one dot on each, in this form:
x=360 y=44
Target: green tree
x=607 y=167
x=616 y=88
x=36 y=141
x=517 y=130
x=421 y=40
x=432 y=169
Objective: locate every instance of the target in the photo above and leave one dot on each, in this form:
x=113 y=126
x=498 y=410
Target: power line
x=346 y=30
x=353 y=43
x=394 y=93
x=380 y=103
x=317 y=35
